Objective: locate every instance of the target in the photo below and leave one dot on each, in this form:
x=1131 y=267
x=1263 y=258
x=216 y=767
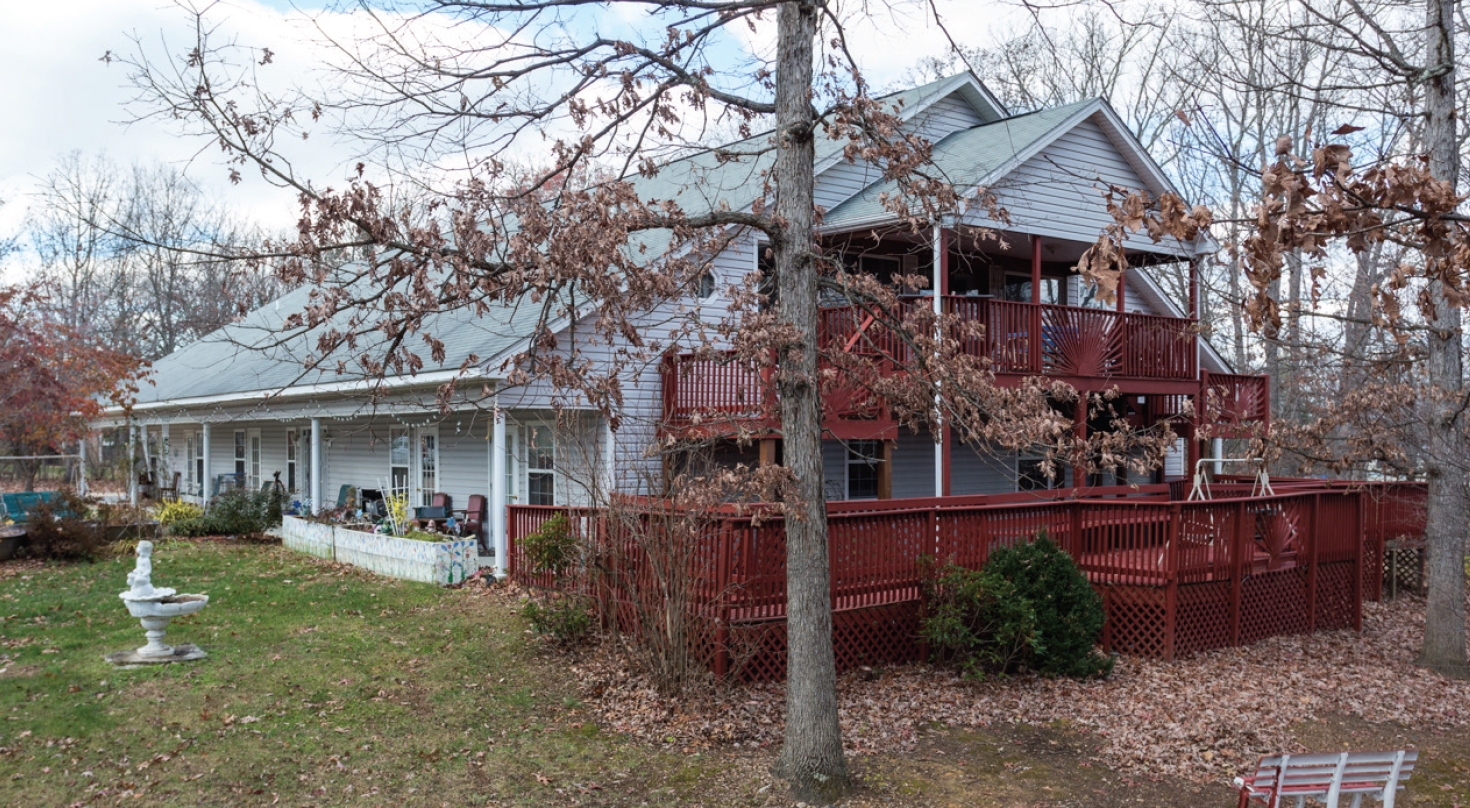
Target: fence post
x=722 y=600
x=1171 y=605
x=1312 y=560
x=1358 y=565
x=1237 y=571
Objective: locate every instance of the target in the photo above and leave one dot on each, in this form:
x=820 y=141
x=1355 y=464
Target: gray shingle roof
x=242 y=359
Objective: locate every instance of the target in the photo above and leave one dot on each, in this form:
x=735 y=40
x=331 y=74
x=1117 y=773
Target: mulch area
x=1203 y=719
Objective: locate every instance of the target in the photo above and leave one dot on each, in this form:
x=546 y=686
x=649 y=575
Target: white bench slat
x=1331 y=775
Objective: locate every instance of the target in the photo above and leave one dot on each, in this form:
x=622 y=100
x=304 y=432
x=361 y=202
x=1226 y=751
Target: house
x=238 y=405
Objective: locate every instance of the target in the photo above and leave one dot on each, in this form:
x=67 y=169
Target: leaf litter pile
x=1203 y=718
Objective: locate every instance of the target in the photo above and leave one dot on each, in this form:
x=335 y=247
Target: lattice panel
x=1136 y=620
x=1375 y=568
x=879 y=635
x=1403 y=571
x=1335 y=597
x=1272 y=604
x=876 y=636
x=1203 y=618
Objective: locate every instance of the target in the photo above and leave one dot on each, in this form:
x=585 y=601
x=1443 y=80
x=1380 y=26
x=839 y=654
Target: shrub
x=63 y=530
x=1029 y=608
x=567 y=618
x=234 y=513
x=553 y=548
x=176 y=510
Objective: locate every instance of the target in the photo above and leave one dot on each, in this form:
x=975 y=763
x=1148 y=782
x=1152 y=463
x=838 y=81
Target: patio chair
x=475 y=517
x=170 y=491
x=436 y=511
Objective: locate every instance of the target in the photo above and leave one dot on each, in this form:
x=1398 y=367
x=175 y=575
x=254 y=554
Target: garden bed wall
x=444 y=563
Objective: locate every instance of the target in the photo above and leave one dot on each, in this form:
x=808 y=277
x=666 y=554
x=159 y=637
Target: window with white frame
x=292 y=436
x=540 y=465
x=399 y=457
x=241 y=455
x=256 y=456
x=863 y=457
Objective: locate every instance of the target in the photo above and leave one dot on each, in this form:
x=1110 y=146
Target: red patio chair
x=436 y=511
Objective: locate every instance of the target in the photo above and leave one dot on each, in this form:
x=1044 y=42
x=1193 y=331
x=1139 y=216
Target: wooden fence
x=1176 y=577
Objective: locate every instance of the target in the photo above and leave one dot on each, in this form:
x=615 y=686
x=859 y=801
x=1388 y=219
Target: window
x=540 y=465
x=428 y=464
x=255 y=458
x=705 y=287
x=1031 y=475
x=863 y=457
x=1018 y=288
x=292 y=436
x=398 y=459
x=1089 y=297
x=240 y=456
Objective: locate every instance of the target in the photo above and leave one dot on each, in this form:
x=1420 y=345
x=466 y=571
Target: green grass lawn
x=324 y=685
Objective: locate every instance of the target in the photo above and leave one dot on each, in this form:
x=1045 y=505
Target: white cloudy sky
x=59 y=96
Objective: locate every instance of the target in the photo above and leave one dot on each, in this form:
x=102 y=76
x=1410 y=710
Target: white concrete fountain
x=154 y=607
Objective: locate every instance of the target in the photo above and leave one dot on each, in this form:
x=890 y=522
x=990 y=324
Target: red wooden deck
x=1176 y=577
x=1091 y=349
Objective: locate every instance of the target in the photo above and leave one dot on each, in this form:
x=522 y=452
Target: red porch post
x=1035 y=340
x=1079 y=429
x=1122 y=290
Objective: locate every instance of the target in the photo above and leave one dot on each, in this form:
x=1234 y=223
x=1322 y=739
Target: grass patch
x=325 y=685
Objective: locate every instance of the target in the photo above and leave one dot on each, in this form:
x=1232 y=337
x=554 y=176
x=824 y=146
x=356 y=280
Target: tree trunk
x=1449 y=516
x=811 y=753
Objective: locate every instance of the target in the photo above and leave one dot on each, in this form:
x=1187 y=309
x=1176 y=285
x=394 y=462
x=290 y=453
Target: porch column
x=165 y=460
x=1079 y=429
x=1122 y=287
x=1034 y=341
x=316 y=466
x=940 y=286
x=204 y=490
x=82 y=466
x=609 y=460
x=498 y=538
x=132 y=471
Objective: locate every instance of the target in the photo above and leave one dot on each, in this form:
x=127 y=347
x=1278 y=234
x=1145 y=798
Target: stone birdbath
x=154 y=607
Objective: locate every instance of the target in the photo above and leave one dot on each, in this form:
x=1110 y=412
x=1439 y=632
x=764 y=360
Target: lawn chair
x=474 y=518
x=1327 y=777
x=170 y=491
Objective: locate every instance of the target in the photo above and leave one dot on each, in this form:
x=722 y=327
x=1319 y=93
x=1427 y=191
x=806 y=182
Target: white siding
x=945 y=116
x=976 y=471
x=913 y=465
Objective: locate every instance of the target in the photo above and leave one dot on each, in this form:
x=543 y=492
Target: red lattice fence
x=1176 y=577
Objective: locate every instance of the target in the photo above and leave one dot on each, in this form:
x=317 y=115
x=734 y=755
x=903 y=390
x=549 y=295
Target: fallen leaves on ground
x=1204 y=718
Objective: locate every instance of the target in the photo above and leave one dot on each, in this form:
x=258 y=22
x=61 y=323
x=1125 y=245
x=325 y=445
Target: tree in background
x=53 y=379
x=140 y=257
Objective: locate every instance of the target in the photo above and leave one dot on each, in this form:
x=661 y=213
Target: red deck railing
x=1073 y=342
x=1177 y=577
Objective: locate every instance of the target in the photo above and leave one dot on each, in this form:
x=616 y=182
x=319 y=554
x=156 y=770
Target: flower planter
x=444 y=563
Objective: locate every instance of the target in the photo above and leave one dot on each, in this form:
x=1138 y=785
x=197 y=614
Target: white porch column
x=204 y=484
x=132 y=471
x=1219 y=453
x=609 y=459
x=316 y=466
x=82 y=466
x=166 y=460
x=937 y=285
x=498 y=538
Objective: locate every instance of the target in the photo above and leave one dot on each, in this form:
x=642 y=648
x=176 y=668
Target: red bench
x=1327 y=777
